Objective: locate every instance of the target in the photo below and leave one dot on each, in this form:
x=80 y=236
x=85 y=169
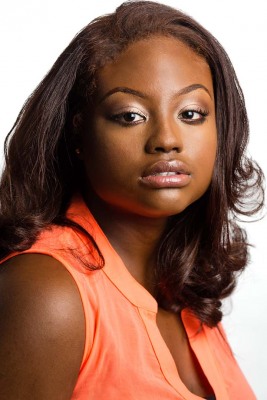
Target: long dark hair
x=203 y=248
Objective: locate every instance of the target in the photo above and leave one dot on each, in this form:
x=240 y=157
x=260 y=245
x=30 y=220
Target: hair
x=203 y=248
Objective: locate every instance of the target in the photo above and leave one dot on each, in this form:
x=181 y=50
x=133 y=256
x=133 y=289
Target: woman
x=124 y=176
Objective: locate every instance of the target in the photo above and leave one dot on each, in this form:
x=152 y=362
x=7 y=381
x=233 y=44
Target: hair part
x=203 y=248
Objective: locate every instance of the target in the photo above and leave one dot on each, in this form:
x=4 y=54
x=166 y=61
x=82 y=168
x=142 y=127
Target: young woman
x=125 y=173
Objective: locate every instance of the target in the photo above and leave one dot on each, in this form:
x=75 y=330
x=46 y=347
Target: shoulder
x=41 y=278
x=43 y=323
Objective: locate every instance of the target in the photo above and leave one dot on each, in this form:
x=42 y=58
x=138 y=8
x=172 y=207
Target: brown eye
x=193 y=116
x=128 y=118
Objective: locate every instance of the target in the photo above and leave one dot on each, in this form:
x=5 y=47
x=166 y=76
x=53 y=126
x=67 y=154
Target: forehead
x=159 y=62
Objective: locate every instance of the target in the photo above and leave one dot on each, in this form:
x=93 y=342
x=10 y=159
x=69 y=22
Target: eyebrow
x=181 y=92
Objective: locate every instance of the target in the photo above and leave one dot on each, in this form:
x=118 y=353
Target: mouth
x=166 y=174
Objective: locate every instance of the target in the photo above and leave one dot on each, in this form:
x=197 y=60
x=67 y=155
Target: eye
x=128 y=118
x=193 y=116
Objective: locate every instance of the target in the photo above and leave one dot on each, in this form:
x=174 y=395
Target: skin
x=116 y=154
x=41 y=347
x=158 y=69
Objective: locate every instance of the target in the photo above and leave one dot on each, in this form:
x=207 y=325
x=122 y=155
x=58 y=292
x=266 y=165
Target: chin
x=167 y=208
x=163 y=212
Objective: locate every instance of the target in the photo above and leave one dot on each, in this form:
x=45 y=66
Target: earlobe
x=78 y=153
x=77 y=124
x=77 y=121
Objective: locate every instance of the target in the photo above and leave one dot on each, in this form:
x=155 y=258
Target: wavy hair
x=203 y=248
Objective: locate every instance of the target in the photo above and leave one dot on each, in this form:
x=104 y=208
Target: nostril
x=166 y=150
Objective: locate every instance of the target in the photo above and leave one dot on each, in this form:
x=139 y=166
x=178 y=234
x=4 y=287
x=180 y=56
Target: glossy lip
x=179 y=177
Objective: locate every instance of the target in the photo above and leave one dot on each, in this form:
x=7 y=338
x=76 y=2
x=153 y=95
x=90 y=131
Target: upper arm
x=41 y=329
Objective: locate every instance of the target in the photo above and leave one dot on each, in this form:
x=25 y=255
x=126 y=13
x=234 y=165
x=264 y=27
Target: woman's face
x=150 y=140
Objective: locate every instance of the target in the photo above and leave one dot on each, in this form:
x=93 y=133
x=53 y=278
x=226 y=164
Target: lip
x=166 y=174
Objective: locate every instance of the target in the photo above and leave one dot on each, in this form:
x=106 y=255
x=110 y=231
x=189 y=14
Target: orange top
x=125 y=356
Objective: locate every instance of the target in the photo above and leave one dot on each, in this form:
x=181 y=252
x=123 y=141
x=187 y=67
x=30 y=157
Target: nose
x=165 y=137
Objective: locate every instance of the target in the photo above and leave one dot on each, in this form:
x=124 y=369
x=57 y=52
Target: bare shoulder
x=42 y=329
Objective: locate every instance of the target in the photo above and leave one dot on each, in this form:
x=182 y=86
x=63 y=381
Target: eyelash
x=118 y=118
x=203 y=114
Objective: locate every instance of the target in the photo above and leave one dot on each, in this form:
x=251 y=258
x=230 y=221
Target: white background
x=33 y=34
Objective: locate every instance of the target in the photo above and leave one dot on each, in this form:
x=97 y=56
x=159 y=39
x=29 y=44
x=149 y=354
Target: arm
x=41 y=329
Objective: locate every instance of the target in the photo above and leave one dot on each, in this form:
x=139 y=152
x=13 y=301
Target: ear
x=77 y=122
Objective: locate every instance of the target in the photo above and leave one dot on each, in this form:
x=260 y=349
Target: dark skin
x=42 y=329
x=161 y=119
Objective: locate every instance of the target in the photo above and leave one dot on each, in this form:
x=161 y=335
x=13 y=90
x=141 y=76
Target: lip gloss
x=166 y=180
x=166 y=174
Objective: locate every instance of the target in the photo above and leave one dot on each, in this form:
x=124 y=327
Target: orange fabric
x=125 y=356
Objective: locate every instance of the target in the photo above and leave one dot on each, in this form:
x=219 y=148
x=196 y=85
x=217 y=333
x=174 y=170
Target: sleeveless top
x=125 y=356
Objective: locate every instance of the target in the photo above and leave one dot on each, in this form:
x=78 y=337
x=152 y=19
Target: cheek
x=206 y=153
x=202 y=152
x=109 y=159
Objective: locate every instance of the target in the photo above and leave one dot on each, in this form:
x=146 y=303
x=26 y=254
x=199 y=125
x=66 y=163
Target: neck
x=135 y=238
